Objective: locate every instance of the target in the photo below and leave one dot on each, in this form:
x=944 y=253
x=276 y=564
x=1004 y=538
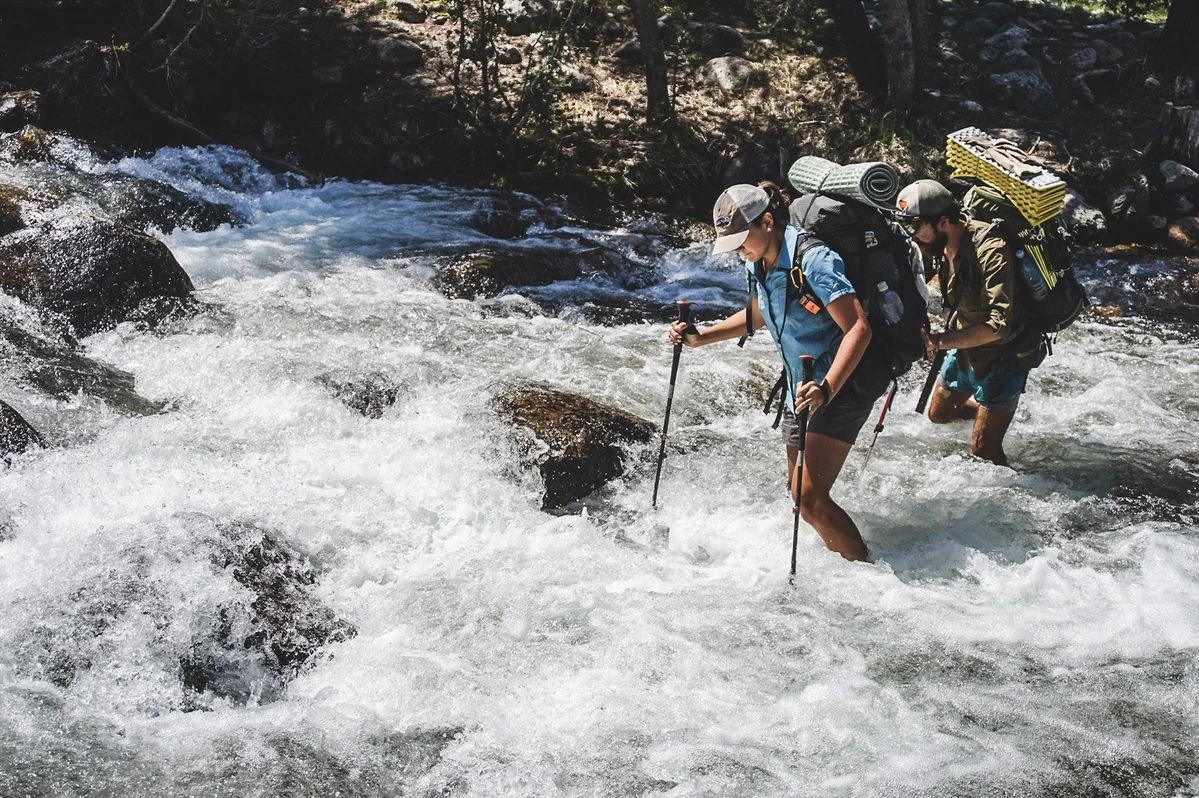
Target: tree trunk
x=862 y=48
x=657 y=91
x=1178 y=134
x=1178 y=49
x=901 y=57
x=918 y=9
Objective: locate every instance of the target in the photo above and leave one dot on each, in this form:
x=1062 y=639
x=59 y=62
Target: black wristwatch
x=823 y=386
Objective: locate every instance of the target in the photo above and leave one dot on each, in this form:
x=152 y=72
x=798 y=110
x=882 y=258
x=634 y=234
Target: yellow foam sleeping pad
x=1035 y=191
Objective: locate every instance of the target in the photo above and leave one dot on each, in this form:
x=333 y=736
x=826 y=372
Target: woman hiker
x=753 y=222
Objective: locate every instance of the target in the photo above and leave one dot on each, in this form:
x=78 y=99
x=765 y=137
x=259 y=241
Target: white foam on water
x=1027 y=631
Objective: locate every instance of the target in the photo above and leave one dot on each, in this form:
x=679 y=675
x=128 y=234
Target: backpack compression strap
x=805 y=242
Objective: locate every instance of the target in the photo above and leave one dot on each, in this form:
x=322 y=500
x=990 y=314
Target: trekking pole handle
x=934 y=369
x=806 y=364
x=684 y=306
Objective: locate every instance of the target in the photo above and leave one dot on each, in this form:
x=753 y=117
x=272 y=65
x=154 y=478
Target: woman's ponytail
x=780 y=202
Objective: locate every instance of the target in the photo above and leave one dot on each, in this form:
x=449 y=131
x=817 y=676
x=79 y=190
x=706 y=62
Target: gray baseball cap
x=733 y=212
x=924 y=198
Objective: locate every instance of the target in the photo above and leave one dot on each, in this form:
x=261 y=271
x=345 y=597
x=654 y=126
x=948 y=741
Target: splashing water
x=1026 y=632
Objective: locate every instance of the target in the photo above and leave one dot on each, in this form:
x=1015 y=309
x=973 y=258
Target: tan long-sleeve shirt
x=981 y=284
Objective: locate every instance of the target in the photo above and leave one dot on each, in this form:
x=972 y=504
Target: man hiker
x=991 y=342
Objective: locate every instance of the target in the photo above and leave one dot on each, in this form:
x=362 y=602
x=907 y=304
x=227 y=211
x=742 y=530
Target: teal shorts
x=1000 y=390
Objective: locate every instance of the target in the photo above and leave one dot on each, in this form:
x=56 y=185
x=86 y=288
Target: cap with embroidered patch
x=733 y=212
x=924 y=198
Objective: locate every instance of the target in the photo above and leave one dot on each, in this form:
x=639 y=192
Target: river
x=1025 y=632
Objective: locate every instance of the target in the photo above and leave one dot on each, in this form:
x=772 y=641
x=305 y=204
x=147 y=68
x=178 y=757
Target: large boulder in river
x=93 y=274
x=16 y=434
x=577 y=444
x=487 y=270
x=43 y=359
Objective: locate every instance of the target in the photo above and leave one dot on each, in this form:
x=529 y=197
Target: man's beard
x=935 y=249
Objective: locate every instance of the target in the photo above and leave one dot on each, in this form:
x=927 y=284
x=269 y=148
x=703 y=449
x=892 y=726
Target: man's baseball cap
x=924 y=198
x=734 y=210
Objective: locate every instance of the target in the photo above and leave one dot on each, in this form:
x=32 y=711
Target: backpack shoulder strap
x=803 y=245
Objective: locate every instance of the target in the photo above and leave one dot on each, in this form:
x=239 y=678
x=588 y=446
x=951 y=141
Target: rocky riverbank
x=554 y=102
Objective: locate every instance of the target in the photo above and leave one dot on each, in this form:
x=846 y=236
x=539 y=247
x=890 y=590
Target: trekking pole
x=882 y=417
x=685 y=317
x=797 y=485
x=933 y=370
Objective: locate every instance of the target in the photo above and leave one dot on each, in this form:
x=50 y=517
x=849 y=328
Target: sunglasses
x=910 y=224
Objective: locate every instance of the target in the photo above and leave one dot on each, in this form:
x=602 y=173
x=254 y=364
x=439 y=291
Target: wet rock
x=487 y=271
x=1085 y=222
x=1183 y=234
x=53 y=364
x=93 y=274
x=18 y=109
x=153 y=205
x=577 y=444
x=1177 y=177
x=29 y=145
x=733 y=74
x=1024 y=90
x=252 y=650
x=505 y=215
x=12 y=203
x=368 y=394
x=123 y=198
x=16 y=434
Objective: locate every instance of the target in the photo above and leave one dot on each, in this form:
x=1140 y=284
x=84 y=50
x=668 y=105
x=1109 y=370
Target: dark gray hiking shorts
x=843 y=417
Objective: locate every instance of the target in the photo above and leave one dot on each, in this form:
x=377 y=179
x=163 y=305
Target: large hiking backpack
x=875 y=251
x=1043 y=253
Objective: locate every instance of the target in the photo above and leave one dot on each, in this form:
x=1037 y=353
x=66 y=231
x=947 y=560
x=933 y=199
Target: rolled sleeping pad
x=873 y=182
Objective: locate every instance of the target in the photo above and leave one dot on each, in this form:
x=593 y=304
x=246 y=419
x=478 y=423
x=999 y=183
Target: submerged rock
x=577 y=444
x=276 y=634
x=369 y=394
x=16 y=434
x=93 y=274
